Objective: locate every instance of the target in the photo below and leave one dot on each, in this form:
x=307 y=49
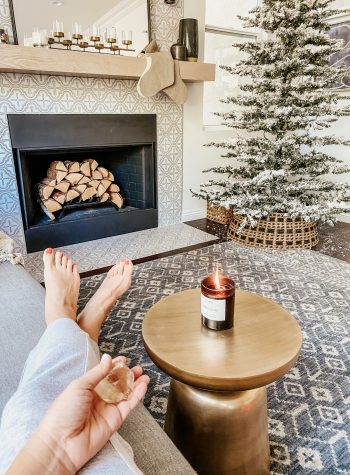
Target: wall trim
x=345 y=218
x=192 y=214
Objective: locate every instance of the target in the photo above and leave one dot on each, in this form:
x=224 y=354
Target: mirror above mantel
x=92 y=16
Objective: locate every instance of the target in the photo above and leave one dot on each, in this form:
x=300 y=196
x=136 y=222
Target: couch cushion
x=21 y=324
x=154 y=452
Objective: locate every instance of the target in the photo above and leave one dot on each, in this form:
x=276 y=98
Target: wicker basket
x=219 y=215
x=275 y=232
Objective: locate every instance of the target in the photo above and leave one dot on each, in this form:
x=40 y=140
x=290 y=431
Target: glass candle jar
x=218 y=303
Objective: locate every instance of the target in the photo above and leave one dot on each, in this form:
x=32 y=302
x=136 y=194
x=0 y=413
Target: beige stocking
x=159 y=74
x=178 y=91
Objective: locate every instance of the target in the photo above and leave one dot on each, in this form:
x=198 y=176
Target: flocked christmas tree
x=279 y=164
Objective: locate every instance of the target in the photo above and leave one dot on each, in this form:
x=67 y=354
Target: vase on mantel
x=188 y=35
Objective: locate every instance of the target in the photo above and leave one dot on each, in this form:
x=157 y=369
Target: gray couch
x=22 y=323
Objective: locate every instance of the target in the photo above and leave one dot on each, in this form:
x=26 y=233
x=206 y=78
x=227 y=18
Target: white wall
x=196 y=157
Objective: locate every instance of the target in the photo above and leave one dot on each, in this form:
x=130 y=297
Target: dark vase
x=188 y=34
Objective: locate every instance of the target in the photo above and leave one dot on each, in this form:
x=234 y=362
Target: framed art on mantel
x=7 y=25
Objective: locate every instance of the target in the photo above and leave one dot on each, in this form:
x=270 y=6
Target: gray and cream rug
x=309 y=408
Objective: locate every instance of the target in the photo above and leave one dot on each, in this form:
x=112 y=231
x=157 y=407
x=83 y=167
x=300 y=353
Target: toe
x=58 y=259
x=48 y=257
x=64 y=261
x=75 y=269
x=112 y=271
x=128 y=267
x=69 y=265
x=121 y=265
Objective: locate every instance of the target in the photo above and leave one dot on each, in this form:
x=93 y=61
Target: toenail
x=49 y=250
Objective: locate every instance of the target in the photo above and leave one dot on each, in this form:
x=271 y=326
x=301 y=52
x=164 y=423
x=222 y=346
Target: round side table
x=217 y=406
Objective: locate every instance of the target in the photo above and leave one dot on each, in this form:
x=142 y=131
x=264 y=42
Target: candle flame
x=217 y=277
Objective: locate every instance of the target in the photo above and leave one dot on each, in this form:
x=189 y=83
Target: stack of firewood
x=68 y=182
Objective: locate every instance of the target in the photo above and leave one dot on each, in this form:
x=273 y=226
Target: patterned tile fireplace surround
x=42 y=94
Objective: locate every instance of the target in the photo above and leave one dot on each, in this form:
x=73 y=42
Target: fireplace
x=123 y=144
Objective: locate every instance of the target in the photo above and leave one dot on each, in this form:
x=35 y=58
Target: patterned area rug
x=309 y=408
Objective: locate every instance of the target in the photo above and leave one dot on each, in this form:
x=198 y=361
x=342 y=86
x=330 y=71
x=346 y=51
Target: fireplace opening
x=123 y=146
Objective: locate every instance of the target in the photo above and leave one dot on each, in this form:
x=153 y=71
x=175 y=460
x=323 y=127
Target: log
x=96 y=175
x=73 y=167
x=84 y=180
x=74 y=178
x=106 y=184
x=52 y=205
x=58 y=175
x=110 y=176
x=85 y=168
x=48 y=181
x=101 y=190
x=63 y=186
x=113 y=188
x=117 y=199
x=59 y=197
x=103 y=172
x=45 y=191
x=72 y=194
x=93 y=164
x=94 y=183
x=104 y=197
x=88 y=193
x=79 y=188
x=57 y=165
x=47 y=212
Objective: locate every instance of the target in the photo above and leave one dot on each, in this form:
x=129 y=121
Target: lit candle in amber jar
x=217 y=302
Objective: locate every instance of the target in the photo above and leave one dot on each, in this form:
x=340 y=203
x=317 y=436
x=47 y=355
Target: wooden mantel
x=21 y=59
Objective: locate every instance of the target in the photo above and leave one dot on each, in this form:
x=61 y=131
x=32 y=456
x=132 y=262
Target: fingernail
x=105 y=357
x=49 y=250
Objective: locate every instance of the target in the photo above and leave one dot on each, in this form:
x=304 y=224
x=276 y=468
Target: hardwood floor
x=334 y=240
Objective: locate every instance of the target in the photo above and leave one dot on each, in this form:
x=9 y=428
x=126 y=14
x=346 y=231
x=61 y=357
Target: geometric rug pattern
x=309 y=408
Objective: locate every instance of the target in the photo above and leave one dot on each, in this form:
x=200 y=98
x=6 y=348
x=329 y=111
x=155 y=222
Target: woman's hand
x=79 y=423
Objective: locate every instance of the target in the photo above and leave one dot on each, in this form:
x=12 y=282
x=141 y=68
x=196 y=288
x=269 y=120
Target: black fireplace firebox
x=124 y=144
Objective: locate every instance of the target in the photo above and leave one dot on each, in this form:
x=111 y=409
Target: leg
x=62 y=286
x=64 y=353
x=116 y=283
x=220 y=432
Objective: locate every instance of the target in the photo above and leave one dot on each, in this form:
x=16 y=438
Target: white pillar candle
x=43 y=38
x=77 y=28
x=36 y=37
x=27 y=41
x=95 y=30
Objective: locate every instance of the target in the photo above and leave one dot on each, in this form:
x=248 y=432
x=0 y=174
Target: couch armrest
x=155 y=453
x=21 y=324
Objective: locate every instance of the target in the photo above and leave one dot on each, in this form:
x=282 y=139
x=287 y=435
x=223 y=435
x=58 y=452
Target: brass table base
x=222 y=433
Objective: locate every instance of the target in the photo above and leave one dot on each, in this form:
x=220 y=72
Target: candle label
x=213 y=309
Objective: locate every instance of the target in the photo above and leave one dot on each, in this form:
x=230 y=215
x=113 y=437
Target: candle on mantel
x=217 y=301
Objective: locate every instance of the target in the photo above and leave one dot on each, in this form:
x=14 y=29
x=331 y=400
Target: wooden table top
x=263 y=345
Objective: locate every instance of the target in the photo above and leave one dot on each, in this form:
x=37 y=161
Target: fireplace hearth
x=123 y=144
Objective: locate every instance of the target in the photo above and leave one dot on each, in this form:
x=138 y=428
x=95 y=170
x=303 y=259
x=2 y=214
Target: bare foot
x=116 y=283
x=62 y=286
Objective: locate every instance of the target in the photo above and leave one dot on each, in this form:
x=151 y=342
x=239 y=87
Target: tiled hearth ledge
x=21 y=59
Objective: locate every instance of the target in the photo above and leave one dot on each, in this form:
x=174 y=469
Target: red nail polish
x=49 y=250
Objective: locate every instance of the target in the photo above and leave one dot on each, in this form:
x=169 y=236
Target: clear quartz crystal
x=117 y=385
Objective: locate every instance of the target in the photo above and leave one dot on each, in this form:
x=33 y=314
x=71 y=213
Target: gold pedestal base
x=220 y=432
